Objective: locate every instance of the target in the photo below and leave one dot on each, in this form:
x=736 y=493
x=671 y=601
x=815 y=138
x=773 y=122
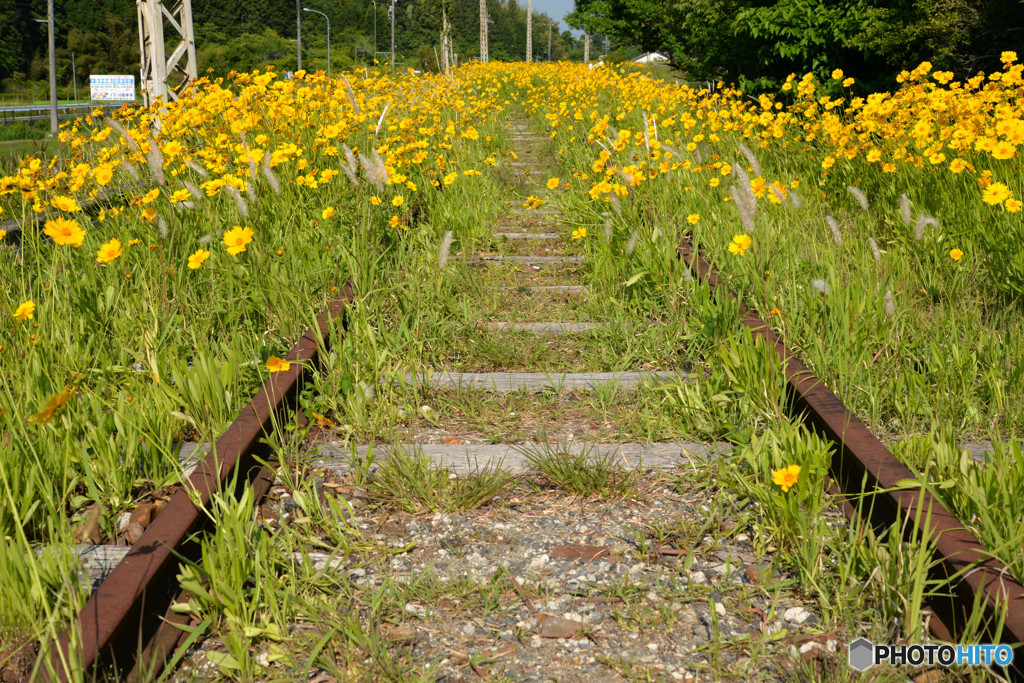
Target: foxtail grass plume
x=205 y=239
x=616 y=204
x=607 y=230
x=631 y=244
x=906 y=210
x=833 y=225
x=778 y=193
x=647 y=141
x=132 y=171
x=381 y=119
x=155 y=159
x=890 y=305
x=269 y=174
x=351 y=95
x=199 y=169
x=875 y=254
x=821 y=286
x=193 y=190
x=795 y=200
x=751 y=159
x=923 y=221
x=243 y=207
x=350 y=166
x=859 y=195
x=446 y=247
x=162 y=227
x=123 y=132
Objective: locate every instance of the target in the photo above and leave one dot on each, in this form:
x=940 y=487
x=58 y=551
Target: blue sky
x=556 y=9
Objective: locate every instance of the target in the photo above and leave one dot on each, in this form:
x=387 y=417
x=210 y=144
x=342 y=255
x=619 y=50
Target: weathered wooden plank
x=528 y=235
x=533 y=260
x=547 y=328
x=467 y=459
x=573 y=289
x=504 y=382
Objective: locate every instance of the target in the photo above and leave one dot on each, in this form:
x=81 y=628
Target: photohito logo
x=864 y=654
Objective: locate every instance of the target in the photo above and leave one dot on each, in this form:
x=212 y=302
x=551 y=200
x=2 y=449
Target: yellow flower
x=848 y=82
x=52 y=406
x=25 y=311
x=197 y=258
x=65 y=204
x=693 y=218
x=837 y=74
x=149 y=213
x=275 y=364
x=109 y=251
x=103 y=174
x=552 y=183
x=579 y=233
x=1013 y=205
x=996 y=193
x=236 y=238
x=327 y=213
x=450 y=178
x=1008 y=57
x=375 y=200
x=151 y=196
x=398 y=200
x=739 y=244
x=63 y=231
x=775 y=311
x=955 y=254
x=180 y=196
x=3 y=234
x=786 y=477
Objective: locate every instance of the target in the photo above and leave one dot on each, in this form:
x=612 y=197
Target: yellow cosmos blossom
x=109 y=251
x=66 y=204
x=275 y=364
x=236 y=238
x=103 y=174
x=553 y=183
x=25 y=311
x=450 y=178
x=837 y=75
x=65 y=232
x=180 y=196
x=956 y=254
x=327 y=213
x=579 y=233
x=787 y=477
x=398 y=200
x=197 y=258
x=693 y=218
x=740 y=244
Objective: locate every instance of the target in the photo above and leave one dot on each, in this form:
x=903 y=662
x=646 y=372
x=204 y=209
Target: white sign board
x=112 y=88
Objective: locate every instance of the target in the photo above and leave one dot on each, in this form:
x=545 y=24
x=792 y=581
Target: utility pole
x=392 y=34
x=586 y=48
x=74 y=77
x=529 y=30
x=549 y=40
x=483 y=31
x=298 y=29
x=156 y=64
x=53 y=68
x=306 y=9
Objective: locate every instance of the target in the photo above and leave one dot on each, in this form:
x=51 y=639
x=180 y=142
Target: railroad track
x=132 y=605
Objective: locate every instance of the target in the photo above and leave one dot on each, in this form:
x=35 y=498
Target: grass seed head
x=607 y=230
x=631 y=244
x=821 y=286
x=269 y=174
x=155 y=159
x=123 y=132
x=446 y=246
x=890 y=305
x=859 y=195
x=875 y=254
x=795 y=200
x=833 y=225
x=751 y=159
x=923 y=221
x=197 y=168
x=906 y=210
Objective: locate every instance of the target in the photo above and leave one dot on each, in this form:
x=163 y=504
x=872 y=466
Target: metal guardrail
x=28 y=112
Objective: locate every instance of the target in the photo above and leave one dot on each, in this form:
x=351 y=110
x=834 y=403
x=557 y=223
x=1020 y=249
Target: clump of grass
x=413 y=483
x=583 y=473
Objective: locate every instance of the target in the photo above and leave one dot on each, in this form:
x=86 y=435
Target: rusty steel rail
x=123 y=625
x=864 y=468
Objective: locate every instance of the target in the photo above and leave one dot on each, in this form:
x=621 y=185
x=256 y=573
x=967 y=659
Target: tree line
x=757 y=43
x=247 y=34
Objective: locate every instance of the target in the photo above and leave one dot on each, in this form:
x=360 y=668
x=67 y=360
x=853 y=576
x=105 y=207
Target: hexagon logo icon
x=862 y=654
